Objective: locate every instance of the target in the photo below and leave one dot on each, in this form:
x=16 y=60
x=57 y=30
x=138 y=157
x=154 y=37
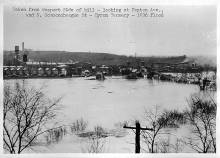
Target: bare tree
x=201 y=116
x=164 y=145
x=158 y=121
x=79 y=125
x=96 y=145
x=25 y=116
x=55 y=134
x=96 y=142
x=178 y=145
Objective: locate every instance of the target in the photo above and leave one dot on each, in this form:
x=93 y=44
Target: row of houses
x=46 y=69
x=21 y=71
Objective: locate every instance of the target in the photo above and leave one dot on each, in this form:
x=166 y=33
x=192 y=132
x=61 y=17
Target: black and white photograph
x=109 y=79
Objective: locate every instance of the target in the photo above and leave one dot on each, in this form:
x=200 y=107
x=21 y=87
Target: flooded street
x=108 y=104
x=111 y=101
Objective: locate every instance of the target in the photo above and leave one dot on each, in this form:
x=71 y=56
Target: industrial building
x=22 y=67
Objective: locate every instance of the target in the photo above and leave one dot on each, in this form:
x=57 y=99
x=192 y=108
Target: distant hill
x=204 y=60
x=92 y=57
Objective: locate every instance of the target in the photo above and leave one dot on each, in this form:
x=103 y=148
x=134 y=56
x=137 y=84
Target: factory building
x=23 y=67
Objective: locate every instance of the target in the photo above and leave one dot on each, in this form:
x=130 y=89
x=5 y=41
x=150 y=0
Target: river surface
x=111 y=101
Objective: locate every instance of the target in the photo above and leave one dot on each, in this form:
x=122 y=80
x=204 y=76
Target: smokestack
x=16 y=55
x=16 y=52
x=16 y=49
x=23 y=47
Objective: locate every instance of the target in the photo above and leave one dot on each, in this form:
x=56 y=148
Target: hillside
x=94 y=58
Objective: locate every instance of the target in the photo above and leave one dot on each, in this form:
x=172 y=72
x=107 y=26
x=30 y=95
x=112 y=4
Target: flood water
x=111 y=101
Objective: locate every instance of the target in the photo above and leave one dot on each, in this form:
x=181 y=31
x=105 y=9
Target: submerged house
x=100 y=76
x=13 y=71
x=48 y=71
x=6 y=71
x=63 y=72
x=19 y=71
x=86 y=73
x=104 y=69
x=34 y=71
x=55 y=72
x=25 y=71
x=40 y=71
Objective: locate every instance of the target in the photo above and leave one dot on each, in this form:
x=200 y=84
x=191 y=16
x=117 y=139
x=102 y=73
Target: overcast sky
x=185 y=30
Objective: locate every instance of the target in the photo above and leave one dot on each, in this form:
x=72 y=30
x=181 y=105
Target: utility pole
x=138 y=129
